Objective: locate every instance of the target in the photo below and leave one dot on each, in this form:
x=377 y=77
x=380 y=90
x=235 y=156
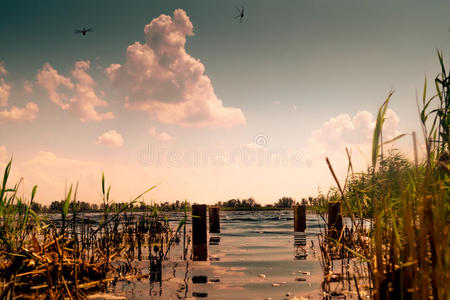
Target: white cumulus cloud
x=162 y=136
x=51 y=80
x=28 y=87
x=111 y=139
x=159 y=77
x=345 y=131
x=14 y=114
x=3 y=71
x=83 y=100
x=5 y=90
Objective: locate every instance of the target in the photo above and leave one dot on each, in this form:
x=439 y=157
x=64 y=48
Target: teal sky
x=290 y=67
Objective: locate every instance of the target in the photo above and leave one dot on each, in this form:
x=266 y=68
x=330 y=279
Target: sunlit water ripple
x=255 y=259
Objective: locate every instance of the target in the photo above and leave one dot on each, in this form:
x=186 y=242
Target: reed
x=399 y=211
x=69 y=257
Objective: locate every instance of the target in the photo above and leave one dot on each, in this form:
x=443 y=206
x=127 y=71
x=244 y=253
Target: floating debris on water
x=105 y=297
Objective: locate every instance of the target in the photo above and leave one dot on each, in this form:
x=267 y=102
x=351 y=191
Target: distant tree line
x=284 y=202
x=250 y=203
x=83 y=206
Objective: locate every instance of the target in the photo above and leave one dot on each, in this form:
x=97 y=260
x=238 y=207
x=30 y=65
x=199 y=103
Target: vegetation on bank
x=399 y=211
x=232 y=204
x=67 y=258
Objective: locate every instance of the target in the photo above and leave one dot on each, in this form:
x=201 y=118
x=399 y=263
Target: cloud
x=159 y=77
x=162 y=136
x=50 y=80
x=3 y=70
x=28 y=87
x=352 y=132
x=84 y=100
x=52 y=172
x=16 y=114
x=5 y=90
x=111 y=139
x=345 y=131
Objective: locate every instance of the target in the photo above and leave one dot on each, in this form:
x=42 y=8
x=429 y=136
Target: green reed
x=406 y=248
x=44 y=258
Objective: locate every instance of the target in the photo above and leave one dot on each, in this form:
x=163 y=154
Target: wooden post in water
x=214 y=220
x=299 y=218
x=334 y=219
x=199 y=238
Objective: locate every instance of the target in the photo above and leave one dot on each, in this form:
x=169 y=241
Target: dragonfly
x=84 y=30
x=241 y=14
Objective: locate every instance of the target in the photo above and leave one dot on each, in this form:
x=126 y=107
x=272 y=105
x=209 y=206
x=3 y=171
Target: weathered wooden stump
x=299 y=218
x=214 y=220
x=334 y=219
x=199 y=234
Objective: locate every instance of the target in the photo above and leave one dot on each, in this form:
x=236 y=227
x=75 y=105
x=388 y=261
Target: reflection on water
x=256 y=256
x=214 y=239
x=299 y=244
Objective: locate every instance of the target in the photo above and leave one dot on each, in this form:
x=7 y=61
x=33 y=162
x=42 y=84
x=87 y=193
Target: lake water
x=255 y=259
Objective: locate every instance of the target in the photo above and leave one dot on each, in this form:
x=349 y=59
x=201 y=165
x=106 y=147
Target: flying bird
x=240 y=15
x=84 y=30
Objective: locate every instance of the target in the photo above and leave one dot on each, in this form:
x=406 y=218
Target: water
x=255 y=259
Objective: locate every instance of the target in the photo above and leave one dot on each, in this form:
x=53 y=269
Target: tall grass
x=406 y=248
x=45 y=258
x=14 y=214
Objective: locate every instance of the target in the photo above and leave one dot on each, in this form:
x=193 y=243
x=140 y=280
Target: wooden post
x=334 y=219
x=199 y=238
x=214 y=220
x=299 y=218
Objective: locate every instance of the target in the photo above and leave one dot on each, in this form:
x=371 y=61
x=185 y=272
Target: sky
x=182 y=95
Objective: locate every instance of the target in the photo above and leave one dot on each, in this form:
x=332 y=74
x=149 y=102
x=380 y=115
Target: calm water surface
x=255 y=259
